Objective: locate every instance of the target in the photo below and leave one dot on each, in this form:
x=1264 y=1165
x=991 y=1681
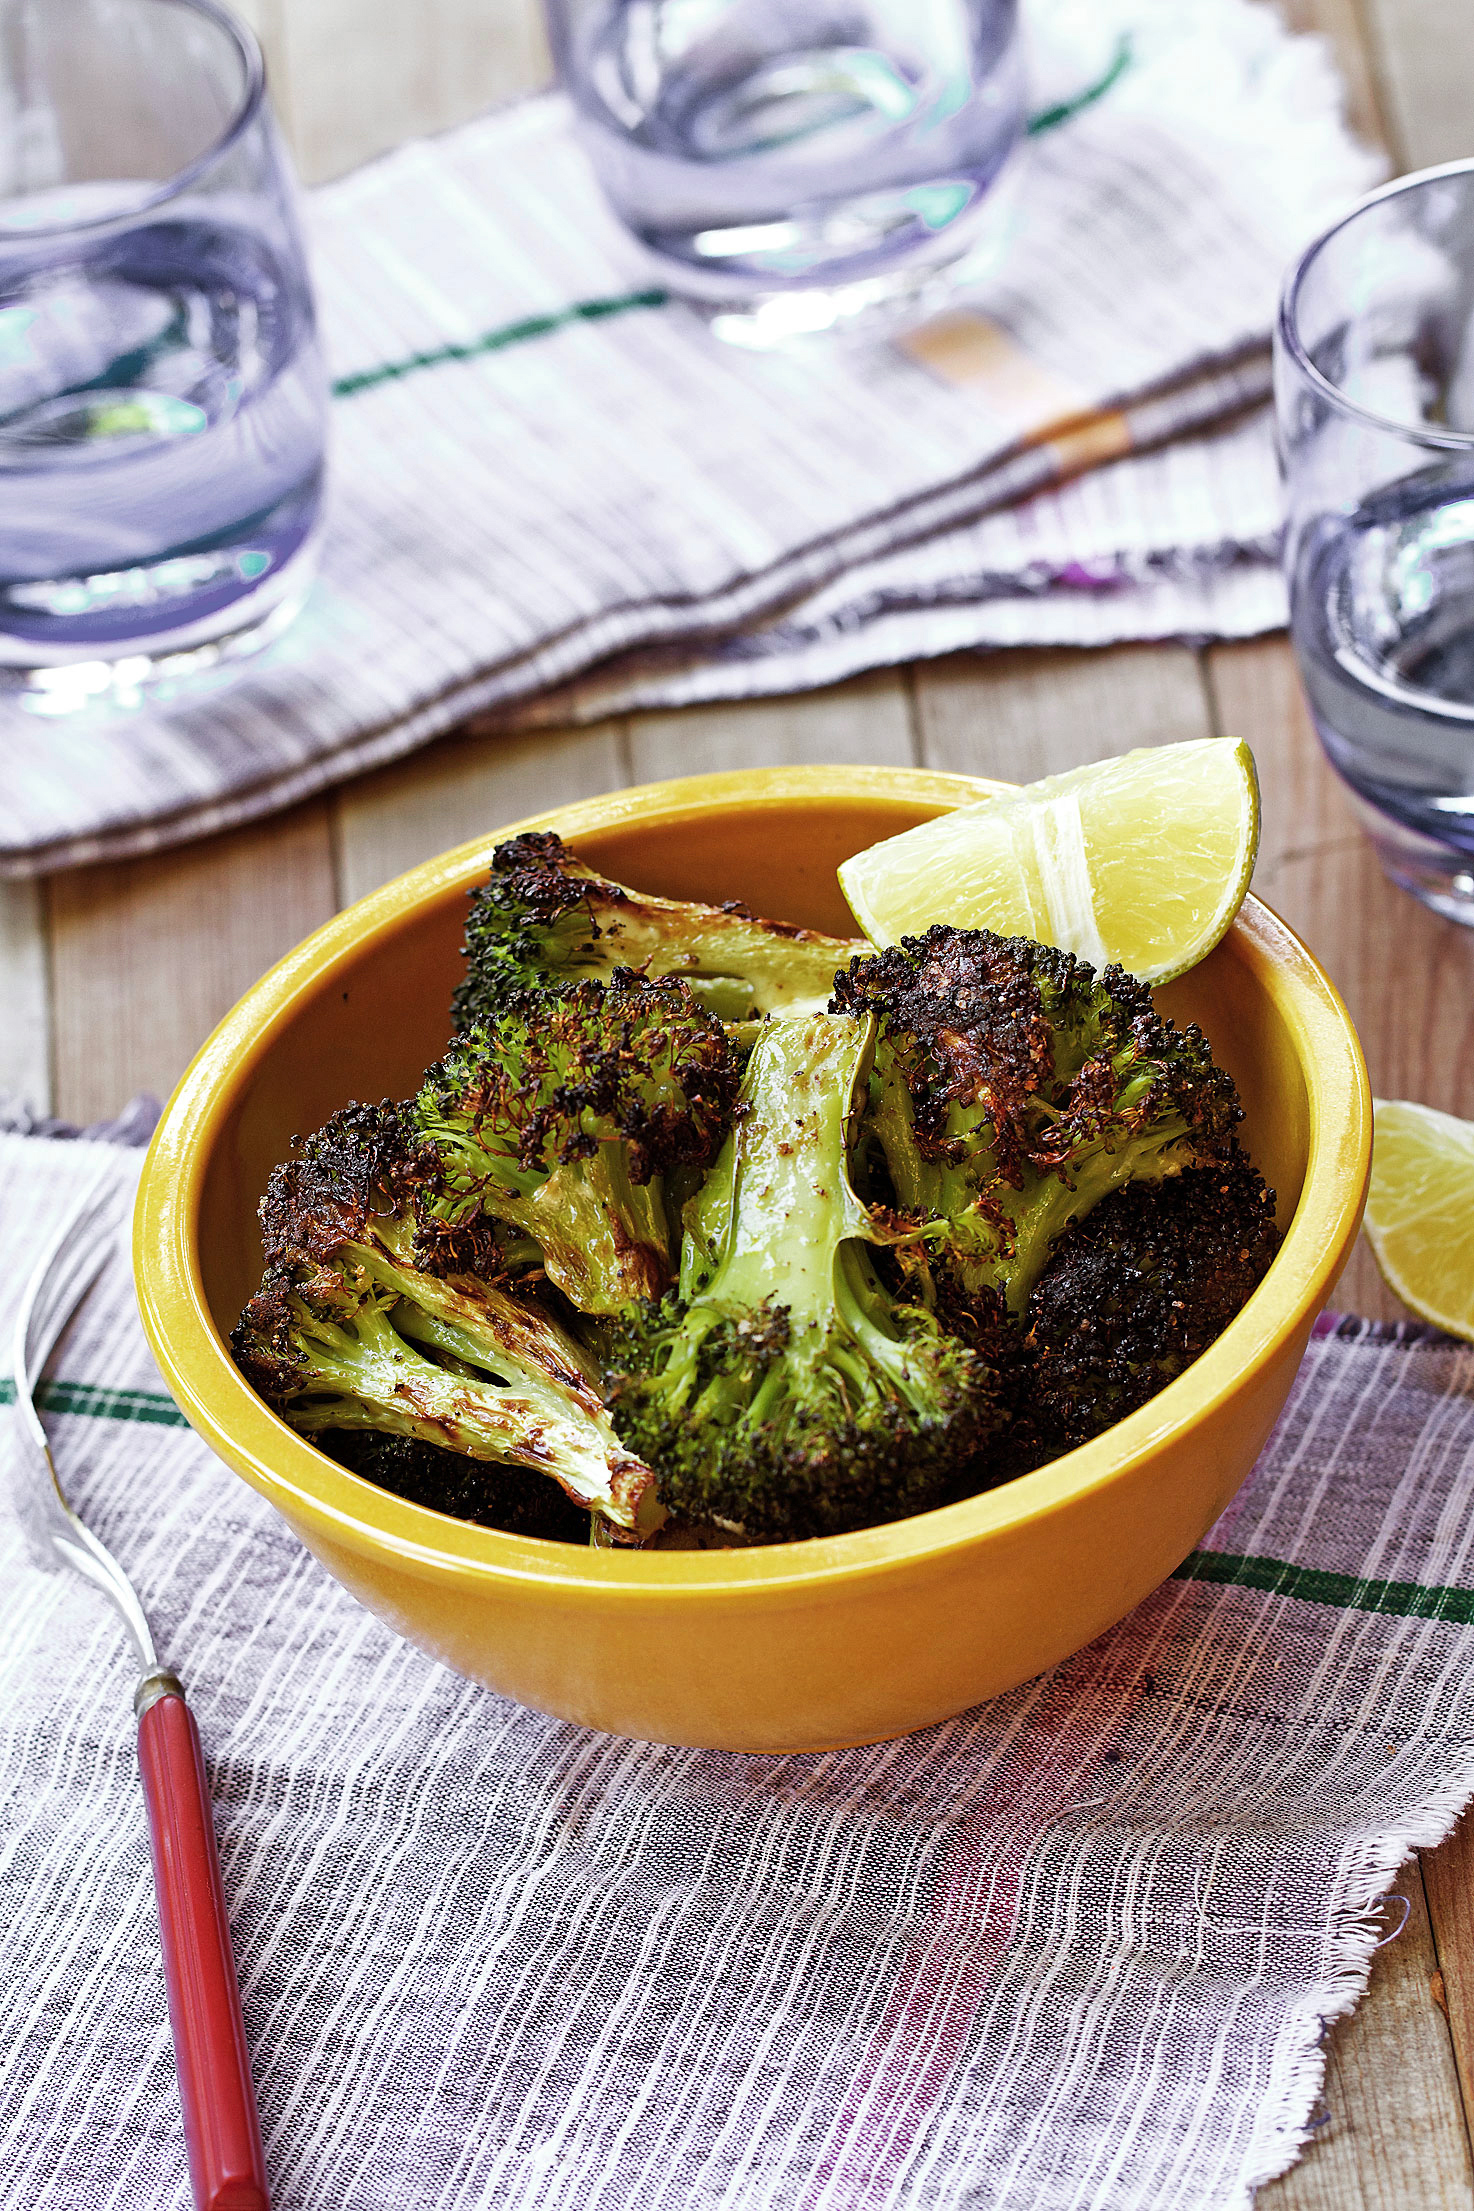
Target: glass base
x=866 y=306
x=160 y=665
x=1435 y=874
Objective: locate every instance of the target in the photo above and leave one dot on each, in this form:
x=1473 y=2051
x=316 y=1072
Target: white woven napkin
x=541 y=463
x=1177 y=543
x=1073 y=1950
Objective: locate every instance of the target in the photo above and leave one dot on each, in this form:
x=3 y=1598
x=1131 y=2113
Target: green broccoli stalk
x=347 y=1332
x=1014 y=1088
x=560 y=1118
x=544 y=919
x=792 y=1395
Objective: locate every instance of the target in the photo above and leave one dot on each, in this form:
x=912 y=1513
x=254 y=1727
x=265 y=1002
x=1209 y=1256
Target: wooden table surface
x=112 y=976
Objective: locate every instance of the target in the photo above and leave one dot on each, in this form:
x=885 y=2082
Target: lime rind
x=1037 y=877
x=1423 y=1174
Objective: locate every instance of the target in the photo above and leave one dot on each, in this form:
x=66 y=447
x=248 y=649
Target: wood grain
x=461 y=789
x=1339 y=23
x=359 y=76
x=1448 y=1877
x=1422 y=53
x=25 y=1028
x=1020 y=715
x=1407 y=977
x=1393 y=2138
x=866 y=724
x=147 y=955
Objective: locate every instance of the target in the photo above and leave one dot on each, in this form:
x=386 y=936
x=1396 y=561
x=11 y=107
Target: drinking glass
x=794 y=162
x=1374 y=394
x=162 y=396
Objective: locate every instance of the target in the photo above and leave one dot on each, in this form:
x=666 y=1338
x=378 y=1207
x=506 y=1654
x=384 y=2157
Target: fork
x=221 y=2129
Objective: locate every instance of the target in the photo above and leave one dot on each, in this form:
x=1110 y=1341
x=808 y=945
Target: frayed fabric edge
x=132 y=1127
x=1374 y=1867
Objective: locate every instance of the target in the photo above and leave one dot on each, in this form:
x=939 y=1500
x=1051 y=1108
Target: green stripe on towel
x=496 y=341
x=91 y=1400
x=625 y=303
x=1050 y=118
x=1409 y=1600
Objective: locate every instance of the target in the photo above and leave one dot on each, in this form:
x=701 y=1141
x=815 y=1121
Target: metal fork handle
x=221 y=2129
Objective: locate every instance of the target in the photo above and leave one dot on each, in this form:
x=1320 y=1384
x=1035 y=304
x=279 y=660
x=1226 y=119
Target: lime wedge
x=1143 y=859
x=1420 y=1210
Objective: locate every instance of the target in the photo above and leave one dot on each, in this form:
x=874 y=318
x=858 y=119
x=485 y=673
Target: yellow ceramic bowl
x=847 y=1639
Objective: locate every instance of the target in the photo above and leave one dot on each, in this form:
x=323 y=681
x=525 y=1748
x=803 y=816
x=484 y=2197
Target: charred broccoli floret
x=1013 y=1088
x=1132 y=1295
x=544 y=918
x=561 y=1118
x=786 y=1392
x=487 y=1494
x=348 y=1332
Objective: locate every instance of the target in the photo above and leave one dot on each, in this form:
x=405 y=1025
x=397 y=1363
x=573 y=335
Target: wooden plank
x=25 y=1031
x=148 y=954
x=1394 y=2137
x=1423 y=55
x=1448 y=1876
x=461 y=789
x=267 y=19
x=1407 y=977
x=1338 y=22
x=1020 y=715
x=364 y=75
x=866 y=723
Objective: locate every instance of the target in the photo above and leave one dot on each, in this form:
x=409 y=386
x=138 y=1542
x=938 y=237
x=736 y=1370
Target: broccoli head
x=544 y=919
x=561 y=1117
x=1013 y=1088
x=1132 y=1295
x=347 y=1332
x=785 y=1392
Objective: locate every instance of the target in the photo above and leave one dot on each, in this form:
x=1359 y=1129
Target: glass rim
x=248 y=47
x=1287 y=329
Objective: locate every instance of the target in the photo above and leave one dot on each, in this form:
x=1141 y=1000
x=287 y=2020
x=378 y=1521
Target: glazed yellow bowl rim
x=312 y=1489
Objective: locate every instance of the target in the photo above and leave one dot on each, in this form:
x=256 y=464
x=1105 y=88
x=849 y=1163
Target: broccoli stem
x=788 y=1228
x=794 y=1396
x=532 y=1399
x=605 y=1240
x=784 y=1199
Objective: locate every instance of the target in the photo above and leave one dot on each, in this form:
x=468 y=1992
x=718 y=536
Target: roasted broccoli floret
x=1133 y=1294
x=785 y=1392
x=1013 y=1088
x=543 y=919
x=348 y=1332
x=561 y=1118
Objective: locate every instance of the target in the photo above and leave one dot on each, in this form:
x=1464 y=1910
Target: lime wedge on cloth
x=1420 y=1210
x=1143 y=859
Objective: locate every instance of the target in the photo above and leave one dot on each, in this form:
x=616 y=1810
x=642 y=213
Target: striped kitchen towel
x=1178 y=543
x=543 y=464
x=1074 y=1950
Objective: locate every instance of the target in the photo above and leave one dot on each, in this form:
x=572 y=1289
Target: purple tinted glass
x=162 y=397
x=794 y=149
x=1374 y=394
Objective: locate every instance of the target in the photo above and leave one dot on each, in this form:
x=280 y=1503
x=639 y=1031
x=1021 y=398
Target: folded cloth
x=542 y=461
x=1075 y=1949
x=1181 y=543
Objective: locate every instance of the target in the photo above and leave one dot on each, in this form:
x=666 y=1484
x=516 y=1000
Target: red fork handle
x=221 y=2129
